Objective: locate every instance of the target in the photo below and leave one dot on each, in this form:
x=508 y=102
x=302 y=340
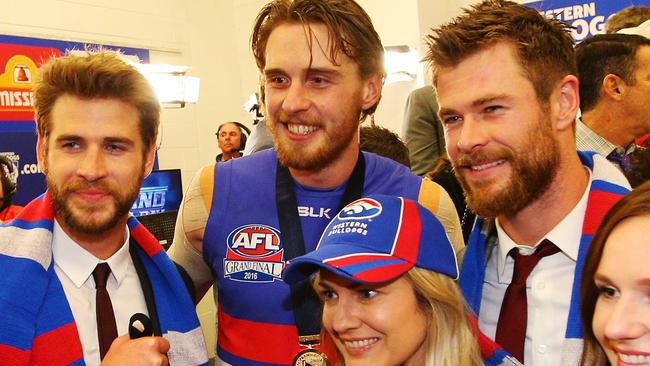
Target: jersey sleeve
x=437 y=200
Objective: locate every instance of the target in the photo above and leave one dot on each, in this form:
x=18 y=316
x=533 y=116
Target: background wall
x=212 y=37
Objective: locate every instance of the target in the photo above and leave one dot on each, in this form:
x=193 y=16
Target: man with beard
x=76 y=266
x=322 y=68
x=508 y=94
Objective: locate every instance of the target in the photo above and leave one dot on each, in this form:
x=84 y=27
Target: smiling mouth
x=301 y=129
x=634 y=359
x=480 y=167
x=360 y=343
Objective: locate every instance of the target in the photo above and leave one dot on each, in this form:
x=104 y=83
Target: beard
x=534 y=168
x=332 y=140
x=92 y=219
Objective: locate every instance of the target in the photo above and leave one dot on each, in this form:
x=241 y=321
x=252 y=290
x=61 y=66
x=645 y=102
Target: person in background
x=322 y=69
x=231 y=139
x=75 y=265
x=627 y=18
x=383 y=142
x=614 y=73
x=388 y=289
x=641 y=26
x=508 y=94
x=443 y=174
x=614 y=288
x=422 y=131
x=8 y=189
x=259 y=138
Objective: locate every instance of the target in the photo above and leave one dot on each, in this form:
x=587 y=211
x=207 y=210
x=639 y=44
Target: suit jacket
x=422 y=130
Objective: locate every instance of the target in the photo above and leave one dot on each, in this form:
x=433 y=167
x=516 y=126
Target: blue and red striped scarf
x=608 y=186
x=36 y=323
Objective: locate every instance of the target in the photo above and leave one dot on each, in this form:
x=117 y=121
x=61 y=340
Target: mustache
x=302 y=118
x=82 y=185
x=479 y=157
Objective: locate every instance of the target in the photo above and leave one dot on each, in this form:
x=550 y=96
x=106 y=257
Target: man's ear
x=149 y=159
x=614 y=87
x=41 y=155
x=371 y=91
x=565 y=102
x=262 y=96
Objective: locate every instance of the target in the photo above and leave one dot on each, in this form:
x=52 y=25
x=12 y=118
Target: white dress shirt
x=74 y=267
x=548 y=288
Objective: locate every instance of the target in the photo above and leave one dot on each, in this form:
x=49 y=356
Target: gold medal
x=310 y=357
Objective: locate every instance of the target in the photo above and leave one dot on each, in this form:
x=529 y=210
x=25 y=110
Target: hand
x=145 y=351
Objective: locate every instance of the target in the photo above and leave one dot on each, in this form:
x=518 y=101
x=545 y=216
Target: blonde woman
x=385 y=271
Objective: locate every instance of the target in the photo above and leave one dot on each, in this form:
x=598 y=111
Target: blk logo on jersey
x=364 y=208
x=254 y=254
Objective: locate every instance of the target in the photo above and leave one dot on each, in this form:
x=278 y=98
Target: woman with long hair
x=615 y=290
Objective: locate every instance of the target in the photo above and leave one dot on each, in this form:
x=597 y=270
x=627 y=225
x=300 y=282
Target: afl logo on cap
x=364 y=208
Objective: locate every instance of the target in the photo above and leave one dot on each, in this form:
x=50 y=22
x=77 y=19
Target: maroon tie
x=513 y=318
x=106 y=328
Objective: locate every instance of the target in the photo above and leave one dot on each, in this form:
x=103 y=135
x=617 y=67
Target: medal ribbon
x=307 y=308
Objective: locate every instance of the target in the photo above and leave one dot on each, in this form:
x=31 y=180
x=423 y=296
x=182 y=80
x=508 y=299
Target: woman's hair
x=450 y=341
x=636 y=203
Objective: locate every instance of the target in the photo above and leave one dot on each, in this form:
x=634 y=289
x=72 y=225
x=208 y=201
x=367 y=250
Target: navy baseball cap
x=377 y=239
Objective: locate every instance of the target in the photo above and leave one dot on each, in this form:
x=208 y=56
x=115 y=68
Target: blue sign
x=588 y=17
x=160 y=192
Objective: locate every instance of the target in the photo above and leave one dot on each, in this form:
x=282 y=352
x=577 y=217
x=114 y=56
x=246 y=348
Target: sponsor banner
x=20 y=58
x=588 y=17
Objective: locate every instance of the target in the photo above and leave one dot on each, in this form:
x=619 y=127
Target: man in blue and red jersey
x=322 y=70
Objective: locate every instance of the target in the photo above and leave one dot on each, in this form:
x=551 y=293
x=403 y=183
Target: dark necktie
x=513 y=318
x=622 y=160
x=106 y=328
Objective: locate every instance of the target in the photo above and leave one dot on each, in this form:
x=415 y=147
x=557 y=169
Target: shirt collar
x=78 y=264
x=564 y=235
x=587 y=139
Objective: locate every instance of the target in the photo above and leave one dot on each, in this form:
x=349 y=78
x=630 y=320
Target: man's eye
x=318 y=81
x=451 y=120
x=278 y=80
x=493 y=108
x=70 y=145
x=114 y=147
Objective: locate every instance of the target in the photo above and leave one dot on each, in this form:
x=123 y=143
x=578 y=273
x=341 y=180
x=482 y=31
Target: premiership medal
x=310 y=357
